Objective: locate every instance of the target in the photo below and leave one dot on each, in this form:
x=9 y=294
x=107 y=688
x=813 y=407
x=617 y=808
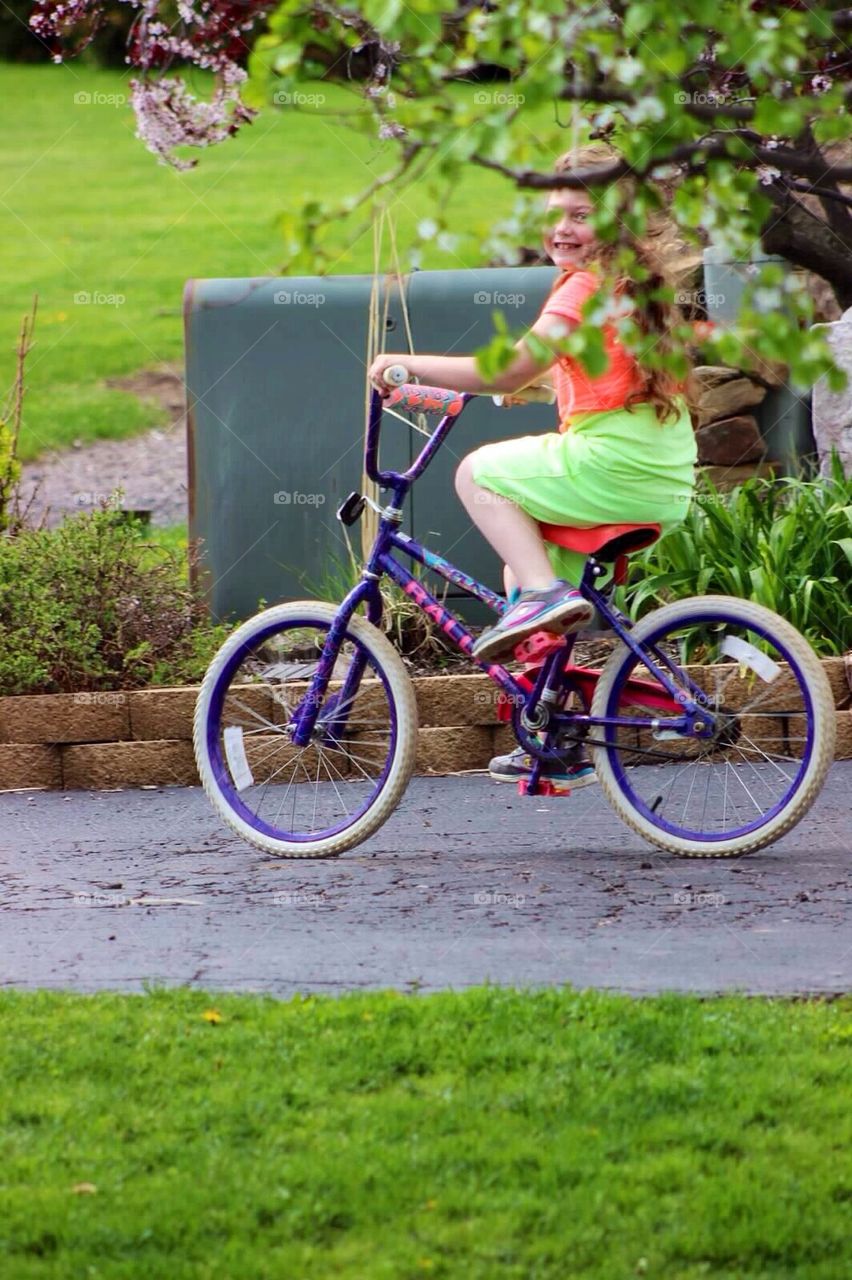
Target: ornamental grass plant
x=783 y=543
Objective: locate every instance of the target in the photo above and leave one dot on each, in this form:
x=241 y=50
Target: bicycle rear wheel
x=326 y=797
x=770 y=743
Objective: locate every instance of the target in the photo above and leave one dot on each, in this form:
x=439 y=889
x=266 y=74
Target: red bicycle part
x=605 y=541
x=545 y=788
x=537 y=647
x=639 y=693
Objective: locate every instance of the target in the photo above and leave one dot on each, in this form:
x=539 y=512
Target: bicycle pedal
x=537 y=647
x=545 y=788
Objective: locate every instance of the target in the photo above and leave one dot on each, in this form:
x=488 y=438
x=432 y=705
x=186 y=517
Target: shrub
x=406 y=625
x=11 y=512
x=784 y=543
x=10 y=473
x=91 y=606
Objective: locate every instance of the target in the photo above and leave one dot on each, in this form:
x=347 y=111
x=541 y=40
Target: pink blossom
x=208 y=34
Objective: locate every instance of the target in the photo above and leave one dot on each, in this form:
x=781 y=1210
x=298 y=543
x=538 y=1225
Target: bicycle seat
x=604 y=541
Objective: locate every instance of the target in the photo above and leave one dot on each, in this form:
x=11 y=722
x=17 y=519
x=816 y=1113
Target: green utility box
x=275 y=375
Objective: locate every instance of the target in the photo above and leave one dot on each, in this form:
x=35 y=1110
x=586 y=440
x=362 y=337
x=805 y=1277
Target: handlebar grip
x=395 y=375
x=426 y=399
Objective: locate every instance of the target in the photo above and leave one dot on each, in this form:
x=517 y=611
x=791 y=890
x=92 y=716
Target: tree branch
x=791 y=160
x=824 y=193
x=797 y=234
x=595 y=93
x=734 y=111
x=609 y=94
x=829 y=194
x=600 y=175
x=786 y=159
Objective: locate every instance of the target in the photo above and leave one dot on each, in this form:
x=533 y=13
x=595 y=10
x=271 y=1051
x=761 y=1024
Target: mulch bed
x=589 y=651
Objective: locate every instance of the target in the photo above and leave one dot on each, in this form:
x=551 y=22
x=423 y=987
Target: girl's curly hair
x=655 y=253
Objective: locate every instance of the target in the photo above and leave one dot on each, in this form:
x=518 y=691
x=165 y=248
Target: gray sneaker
x=560 y=609
x=574 y=772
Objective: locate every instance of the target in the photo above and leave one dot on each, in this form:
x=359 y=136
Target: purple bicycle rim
x=223 y=780
x=654 y=818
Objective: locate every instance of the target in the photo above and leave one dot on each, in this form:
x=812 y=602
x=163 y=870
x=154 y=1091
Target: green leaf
x=783 y=118
x=845 y=545
x=639 y=17
x=383 y=14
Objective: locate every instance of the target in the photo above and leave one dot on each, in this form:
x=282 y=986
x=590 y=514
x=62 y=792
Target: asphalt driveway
x=467 y=883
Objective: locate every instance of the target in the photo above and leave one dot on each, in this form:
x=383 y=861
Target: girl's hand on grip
x=377 y=370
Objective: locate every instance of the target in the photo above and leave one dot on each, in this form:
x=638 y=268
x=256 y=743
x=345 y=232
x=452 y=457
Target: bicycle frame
x=556 y=674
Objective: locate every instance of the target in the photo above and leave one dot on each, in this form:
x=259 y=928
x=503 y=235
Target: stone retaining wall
x=144 y=737
x=726 y=430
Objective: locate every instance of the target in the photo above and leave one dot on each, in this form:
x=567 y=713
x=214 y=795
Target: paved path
x=467 y=883
x=150 y=467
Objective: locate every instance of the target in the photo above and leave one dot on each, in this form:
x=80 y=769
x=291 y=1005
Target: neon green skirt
x=618 y=466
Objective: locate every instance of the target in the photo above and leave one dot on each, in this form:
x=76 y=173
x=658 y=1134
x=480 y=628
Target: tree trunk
x=806 y=240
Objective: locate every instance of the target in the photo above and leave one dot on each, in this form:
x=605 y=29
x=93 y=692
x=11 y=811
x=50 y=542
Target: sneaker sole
x=577 y=785
x=572 y=619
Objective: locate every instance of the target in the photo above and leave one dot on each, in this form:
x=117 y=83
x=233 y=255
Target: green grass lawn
x=84 y=208
x=173 y=537
x=490 y=1133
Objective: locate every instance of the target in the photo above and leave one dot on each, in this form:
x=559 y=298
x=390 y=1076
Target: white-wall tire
x=400 y=688
x=824 y=729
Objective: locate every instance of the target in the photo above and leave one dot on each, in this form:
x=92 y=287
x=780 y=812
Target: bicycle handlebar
x=417 y=399
x=406 y=395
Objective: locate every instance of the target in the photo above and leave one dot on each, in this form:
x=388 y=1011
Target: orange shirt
x=576 y=392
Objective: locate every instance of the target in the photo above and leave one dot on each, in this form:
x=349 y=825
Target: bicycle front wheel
x=326 y=797
x=766 y=743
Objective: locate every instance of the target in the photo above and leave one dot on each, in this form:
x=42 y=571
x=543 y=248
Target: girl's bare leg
x=512 y=533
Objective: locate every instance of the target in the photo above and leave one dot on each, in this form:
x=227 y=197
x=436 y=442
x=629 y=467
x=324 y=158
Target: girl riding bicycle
x=625 y=447
x=306 y=728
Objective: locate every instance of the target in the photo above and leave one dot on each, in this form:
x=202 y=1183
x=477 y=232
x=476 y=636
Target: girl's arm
x=459 y=373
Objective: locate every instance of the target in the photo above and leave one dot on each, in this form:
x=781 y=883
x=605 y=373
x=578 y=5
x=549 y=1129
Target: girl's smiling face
x=568 y=237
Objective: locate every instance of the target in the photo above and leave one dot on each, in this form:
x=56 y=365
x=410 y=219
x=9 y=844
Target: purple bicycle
x=711 y=724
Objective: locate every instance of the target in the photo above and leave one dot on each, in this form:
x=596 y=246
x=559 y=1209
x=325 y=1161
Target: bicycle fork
x=336 y=708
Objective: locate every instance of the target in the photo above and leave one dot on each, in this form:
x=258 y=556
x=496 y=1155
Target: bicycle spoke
x=689 y=792
x=334 y=784
x=752 y=752
x=250 y=711
x=325 y=784
x=738 y=778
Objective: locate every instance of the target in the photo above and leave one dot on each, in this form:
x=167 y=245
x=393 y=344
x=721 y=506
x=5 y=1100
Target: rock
x=65 y=717
x=729 y=442
x=843 y=748
x=713 y=375
x=36 y=765
x=96 y=766
x=774 y=372
x=826 y=309
x=453 y=749
x=832 y=410
x=722 y=393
